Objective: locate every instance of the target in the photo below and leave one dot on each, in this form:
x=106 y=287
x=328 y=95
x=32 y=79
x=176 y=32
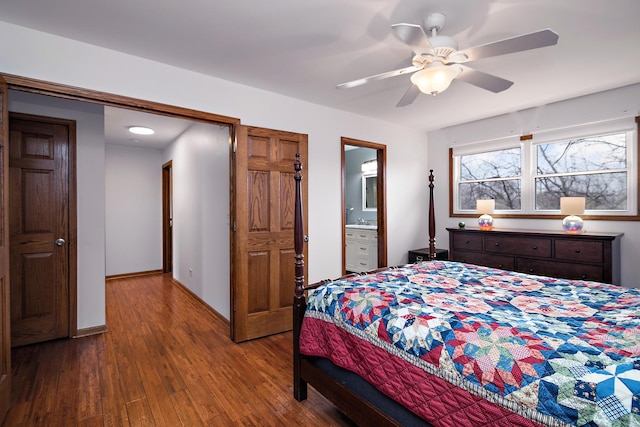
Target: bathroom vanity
x=361 y=248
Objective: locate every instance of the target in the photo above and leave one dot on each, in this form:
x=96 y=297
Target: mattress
x=464 y=345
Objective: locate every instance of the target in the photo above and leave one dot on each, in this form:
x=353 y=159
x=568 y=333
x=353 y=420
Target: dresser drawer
x=363 y=248
x=480 y=258
x=567 y=270
x=363 y=235
x=517 y=245
x=577 y=250
x=472 y=242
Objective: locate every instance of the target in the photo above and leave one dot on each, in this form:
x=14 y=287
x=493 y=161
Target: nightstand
x=423 y=255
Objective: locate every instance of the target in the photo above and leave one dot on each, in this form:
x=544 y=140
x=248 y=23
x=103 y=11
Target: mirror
x=369 y=193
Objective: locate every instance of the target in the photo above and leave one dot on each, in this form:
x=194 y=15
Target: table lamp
x=485 y=208
x=572 y=207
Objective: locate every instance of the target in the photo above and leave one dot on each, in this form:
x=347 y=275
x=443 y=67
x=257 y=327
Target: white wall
x=133 y=215
x=603 y=106
x=90 y=195
x=38 y=55
x=201 y=248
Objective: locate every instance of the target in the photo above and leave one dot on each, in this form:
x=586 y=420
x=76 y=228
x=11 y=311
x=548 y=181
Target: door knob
x=59 y=242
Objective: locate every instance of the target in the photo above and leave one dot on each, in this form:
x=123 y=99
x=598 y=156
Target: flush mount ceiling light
x=141 y=130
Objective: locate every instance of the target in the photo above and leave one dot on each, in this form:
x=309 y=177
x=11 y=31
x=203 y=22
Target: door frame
x=167 y=217
x=381 y=197
x=26 y=84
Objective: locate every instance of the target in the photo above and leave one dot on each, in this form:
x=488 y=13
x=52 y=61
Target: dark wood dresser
x=586 y=256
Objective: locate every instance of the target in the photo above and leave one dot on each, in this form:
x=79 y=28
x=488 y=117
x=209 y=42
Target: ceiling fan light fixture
x=435 y=78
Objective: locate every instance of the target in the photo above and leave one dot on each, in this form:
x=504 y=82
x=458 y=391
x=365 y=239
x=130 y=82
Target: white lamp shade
x=572 y=205
x=435 y=78
x=485 y=206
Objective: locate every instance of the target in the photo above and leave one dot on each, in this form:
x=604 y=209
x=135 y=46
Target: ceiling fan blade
x=380 y=76
x=414 y=36
x=486 y=81
x=528 y=41
x=409 y=96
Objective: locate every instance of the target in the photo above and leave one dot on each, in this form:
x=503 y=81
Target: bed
x=444 y=343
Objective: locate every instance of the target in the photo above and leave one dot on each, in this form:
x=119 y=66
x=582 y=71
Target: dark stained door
x=167 y=217
x=263 y=278
x=5 y=338
x=39 y=228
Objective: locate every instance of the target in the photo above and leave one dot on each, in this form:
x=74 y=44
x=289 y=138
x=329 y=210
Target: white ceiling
x=303 y=48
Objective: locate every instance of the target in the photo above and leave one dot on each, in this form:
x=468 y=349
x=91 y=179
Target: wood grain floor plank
x=165 y=361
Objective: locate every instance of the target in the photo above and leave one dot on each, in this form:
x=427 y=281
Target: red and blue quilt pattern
x=557 y=351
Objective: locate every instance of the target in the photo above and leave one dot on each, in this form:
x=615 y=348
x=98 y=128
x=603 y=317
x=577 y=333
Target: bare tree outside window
x=594 y=167
x=491 y=175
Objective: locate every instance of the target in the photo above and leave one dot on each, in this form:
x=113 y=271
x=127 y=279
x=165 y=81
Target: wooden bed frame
x=306 y=371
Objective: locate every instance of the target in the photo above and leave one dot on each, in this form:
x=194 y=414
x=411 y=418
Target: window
x=528 y=177
x=491 y=175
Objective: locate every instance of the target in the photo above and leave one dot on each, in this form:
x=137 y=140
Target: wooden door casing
x=39 y=217
x=5 y=320
x=264 y=199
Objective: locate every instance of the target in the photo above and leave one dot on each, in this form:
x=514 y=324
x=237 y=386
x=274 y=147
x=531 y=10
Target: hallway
x=166 y=361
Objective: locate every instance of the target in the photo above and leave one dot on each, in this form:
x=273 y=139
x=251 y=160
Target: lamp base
x=573 y=224
x=485 y=222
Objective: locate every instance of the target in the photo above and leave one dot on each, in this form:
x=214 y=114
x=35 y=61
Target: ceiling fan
x=437 y=60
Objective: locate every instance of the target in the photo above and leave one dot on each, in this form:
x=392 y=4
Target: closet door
x=263 y=278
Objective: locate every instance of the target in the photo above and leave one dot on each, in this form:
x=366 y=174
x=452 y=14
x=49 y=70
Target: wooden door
x=39 y=227
x=167 y=217
x=5 y=337
x=263 y=278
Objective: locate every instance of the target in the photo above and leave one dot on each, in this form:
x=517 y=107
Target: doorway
x=167 y=217
x=364 y=219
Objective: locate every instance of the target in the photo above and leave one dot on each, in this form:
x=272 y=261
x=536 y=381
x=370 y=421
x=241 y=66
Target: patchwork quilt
x=530 y=350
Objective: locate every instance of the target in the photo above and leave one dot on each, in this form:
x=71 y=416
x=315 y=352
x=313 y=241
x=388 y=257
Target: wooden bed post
x=432 y=220
x=299 y=303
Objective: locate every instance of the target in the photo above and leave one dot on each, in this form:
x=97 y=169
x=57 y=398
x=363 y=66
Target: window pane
x=583 y=155
x=604 y=191
x=506 y=193
x=492 y=164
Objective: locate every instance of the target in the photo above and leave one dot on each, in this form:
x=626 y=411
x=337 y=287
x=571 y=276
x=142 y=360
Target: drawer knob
x=577 y=251
x=497 y=244
x=499 y=265
x=419 y=258
x=467 y=242
x=531 y=270
x=535 y=247
x=583 y=277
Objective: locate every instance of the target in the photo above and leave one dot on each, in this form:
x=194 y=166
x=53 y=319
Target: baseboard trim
x=207 y=307
x=135 y=274
x=94 y=330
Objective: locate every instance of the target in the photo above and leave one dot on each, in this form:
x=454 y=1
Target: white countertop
x=362 y=227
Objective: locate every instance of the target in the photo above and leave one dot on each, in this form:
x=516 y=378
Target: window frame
x=528 y=144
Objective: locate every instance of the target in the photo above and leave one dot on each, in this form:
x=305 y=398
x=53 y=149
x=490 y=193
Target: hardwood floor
x=164 y=362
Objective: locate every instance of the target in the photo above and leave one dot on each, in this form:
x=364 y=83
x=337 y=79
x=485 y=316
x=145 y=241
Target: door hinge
x=235 y=145
x=234 y=227
x=234 y=305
